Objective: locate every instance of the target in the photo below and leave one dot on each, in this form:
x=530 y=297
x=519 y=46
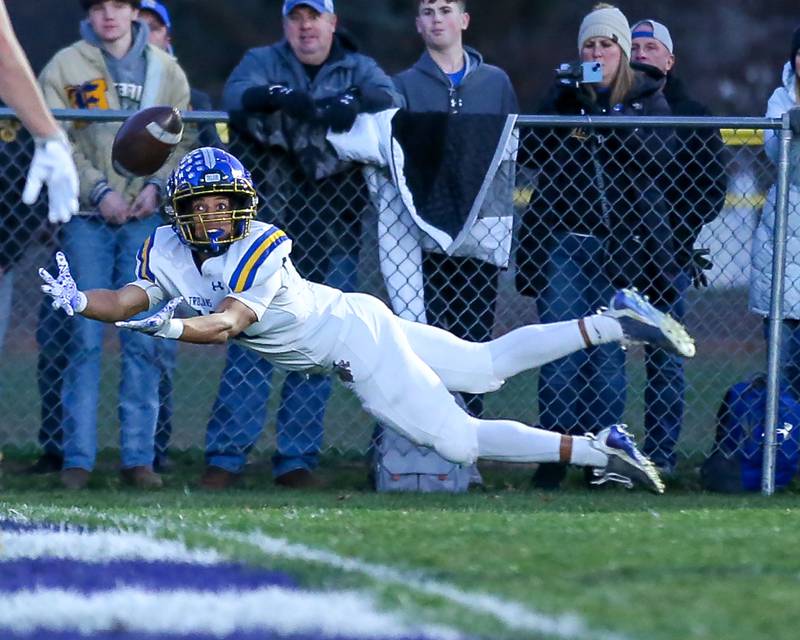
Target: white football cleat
x=642 y=323
x=626 y=464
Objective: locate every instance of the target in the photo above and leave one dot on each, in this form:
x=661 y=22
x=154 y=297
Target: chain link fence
x=641 y=196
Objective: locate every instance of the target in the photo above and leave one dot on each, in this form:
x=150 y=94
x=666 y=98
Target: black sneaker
x=46 y=463
x=297 y=479
x=549 y=476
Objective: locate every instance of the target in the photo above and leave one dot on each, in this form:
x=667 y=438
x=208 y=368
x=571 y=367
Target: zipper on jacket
x=600 y=183
x=455 y=101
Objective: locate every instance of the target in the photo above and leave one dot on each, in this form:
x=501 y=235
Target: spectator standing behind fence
x=52 y=333
x=17 y=221
x=286 y=96
x=52 y=162
x=158 y=21
x=596 y=221
x=460 y=291
x=111 y=67
x=695 y=191
x=785 y=98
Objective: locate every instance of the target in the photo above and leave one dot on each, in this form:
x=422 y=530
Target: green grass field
x=503 y=562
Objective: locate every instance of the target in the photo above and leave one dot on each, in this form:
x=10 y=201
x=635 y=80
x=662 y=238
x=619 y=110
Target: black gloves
x=277 y=97
x=336 y=112
x=339 y=112
x=699 y=263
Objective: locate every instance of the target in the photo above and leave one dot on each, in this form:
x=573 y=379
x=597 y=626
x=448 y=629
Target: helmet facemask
x=212 y=231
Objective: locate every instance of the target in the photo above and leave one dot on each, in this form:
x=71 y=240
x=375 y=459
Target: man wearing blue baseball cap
x=156 y=16
x=286 y=96
x=695 y=196
x=321 y=6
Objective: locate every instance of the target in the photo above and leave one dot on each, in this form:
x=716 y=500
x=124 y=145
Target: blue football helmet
x=203 y=172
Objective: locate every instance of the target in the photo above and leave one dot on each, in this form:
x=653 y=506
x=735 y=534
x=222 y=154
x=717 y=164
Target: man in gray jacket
x=460 y=290
x=286 y=96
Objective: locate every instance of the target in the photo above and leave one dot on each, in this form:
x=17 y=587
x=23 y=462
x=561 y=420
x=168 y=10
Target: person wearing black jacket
x=286 y=97
x=460 y=290
x=695 y=195
x=597 y=220
x=17 y=221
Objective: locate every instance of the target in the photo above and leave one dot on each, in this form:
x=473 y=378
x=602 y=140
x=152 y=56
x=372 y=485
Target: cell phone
x=581 y=72
x=592 y=72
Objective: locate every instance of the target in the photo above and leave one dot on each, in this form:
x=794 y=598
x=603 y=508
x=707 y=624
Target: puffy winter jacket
x=781 y=100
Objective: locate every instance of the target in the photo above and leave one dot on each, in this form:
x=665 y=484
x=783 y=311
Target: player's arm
x=234 y=314
x=110 y=305
x=52 y=163
x=228 y=321
x=18 y=87
x=106 y=305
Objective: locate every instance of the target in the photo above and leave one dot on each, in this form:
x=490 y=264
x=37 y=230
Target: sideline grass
x=675 y=566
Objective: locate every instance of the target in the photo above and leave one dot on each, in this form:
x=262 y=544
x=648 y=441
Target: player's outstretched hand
x=52 y=165
x=63 y=289
x=156 y=325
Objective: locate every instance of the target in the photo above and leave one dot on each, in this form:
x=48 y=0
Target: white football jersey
x=298 y=321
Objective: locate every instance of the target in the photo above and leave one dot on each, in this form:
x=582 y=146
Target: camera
x=580 y=72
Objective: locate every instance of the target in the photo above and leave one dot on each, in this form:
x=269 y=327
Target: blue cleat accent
x=626 y=464
x=641 y=322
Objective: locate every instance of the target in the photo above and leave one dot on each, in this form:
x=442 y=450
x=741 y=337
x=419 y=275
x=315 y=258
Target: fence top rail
x=117 y=115
x=109 y=115
x=693 y=122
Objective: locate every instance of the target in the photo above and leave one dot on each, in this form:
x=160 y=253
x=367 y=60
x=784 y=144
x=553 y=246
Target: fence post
x=776 y=312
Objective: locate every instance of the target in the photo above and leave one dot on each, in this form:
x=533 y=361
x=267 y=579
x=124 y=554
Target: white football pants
x=403 y=373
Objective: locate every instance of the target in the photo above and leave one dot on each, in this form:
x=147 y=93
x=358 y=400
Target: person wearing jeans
x=585 y=390
x=665 y=390
x=105 y=257
x=286 y=97
x=597 y=221
x=242 y=400
x=114 y=67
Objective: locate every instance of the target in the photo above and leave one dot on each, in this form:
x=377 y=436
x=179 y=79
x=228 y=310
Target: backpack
x=736 y=461
x=398 y=464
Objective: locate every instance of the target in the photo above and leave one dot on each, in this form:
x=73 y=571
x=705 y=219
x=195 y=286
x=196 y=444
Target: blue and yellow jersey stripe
x=144 y=272
x=254 y=257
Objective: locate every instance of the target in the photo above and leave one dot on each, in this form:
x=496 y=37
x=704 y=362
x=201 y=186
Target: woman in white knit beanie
x=605 y=36
x=597 y=220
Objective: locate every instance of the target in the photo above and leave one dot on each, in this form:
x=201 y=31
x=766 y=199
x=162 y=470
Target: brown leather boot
x=218 y=479
x=74 y=478
x=141 y=477
x=297 y=479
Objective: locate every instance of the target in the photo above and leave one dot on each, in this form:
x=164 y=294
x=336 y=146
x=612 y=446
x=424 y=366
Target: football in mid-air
x=145 y=141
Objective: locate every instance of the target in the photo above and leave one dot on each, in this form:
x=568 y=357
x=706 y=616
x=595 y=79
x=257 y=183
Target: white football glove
x=160 y=324
x=53 y=165
x=63 y=289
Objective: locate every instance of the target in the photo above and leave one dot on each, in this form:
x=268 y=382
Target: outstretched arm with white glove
x=98 y=304
x=118 y=305
x=52 y=163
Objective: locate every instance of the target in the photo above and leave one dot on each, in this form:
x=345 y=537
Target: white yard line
x=217 y=613
x=99 y=546
x=514 y=615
